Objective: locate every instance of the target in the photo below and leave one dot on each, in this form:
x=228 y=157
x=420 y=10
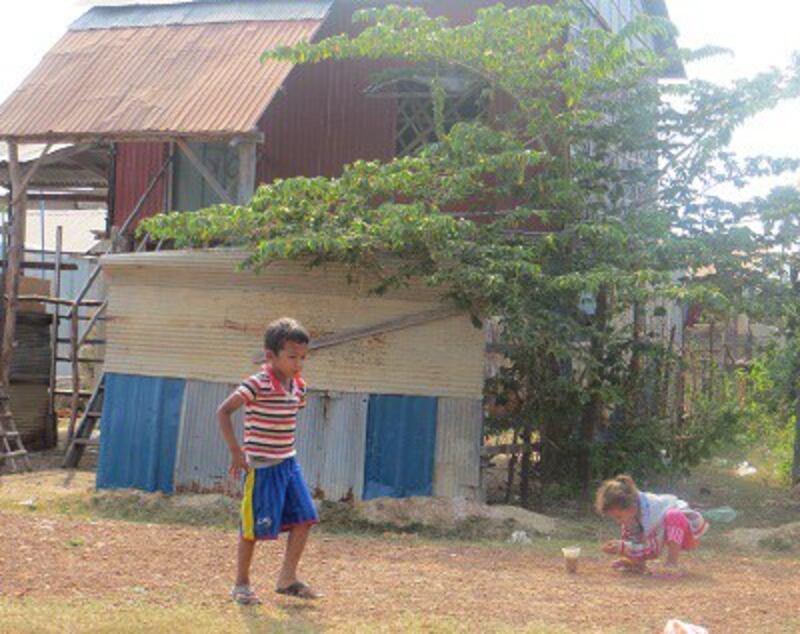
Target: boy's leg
x=299 y=513
x=251 y=526
x=244 y=557
x=295 y=544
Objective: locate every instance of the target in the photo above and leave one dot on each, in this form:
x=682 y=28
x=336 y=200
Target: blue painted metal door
x=139 y=432
x=401 y=443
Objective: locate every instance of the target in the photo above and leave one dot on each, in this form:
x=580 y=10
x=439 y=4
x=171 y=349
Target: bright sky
x=761 y=34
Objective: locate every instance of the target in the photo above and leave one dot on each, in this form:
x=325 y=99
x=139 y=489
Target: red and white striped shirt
x=270 y=415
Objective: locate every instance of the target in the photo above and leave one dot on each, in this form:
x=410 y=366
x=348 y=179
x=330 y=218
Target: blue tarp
x=139 y=437
x=401 y=443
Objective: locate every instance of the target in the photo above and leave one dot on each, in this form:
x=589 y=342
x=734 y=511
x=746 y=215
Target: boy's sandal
x=244 y=595
x=299 y=590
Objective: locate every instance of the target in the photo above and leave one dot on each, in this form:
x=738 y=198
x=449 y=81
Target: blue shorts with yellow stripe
x=275 y=499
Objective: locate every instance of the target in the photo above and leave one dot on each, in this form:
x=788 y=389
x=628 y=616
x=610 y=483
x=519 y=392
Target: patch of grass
x=137 y=615
x=777 y=544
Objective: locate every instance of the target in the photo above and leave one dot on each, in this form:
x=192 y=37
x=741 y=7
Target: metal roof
x=204 y=12
x=199 y=81
x=87 y=168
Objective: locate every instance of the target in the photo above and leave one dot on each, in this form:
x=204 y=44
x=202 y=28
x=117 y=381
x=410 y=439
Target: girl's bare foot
x=628 y=565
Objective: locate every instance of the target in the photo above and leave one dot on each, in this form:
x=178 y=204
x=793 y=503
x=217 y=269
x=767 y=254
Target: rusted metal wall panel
x=136 y=164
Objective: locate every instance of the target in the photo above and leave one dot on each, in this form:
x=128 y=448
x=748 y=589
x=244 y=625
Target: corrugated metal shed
x=192 y=315
x=331 y=444
x=141 y=416
x=199 y=81
x=188 y=13
x=459 y=427
x=203 y=457
x=332 y=441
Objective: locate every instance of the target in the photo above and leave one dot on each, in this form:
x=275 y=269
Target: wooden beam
x=200 y=167
x=76 y=373
x=55 y=289
x=22 y=186
x=41 y=266
x=92 y=323
x=89 y=167
x=247 y=172
x=380 y=328
x=16 y=254
x=59 y=301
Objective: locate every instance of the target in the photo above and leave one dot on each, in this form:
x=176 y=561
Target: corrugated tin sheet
x=459 y=428
x=193 y=315
x=31 y=362
x=197 y=81
x=331 y=444
x=60 y=173
x=135 y=165
x=401 y=441
x=141 y=417
x=331 y=432
x=88 y=168
x=188 y=13
x=203 y=457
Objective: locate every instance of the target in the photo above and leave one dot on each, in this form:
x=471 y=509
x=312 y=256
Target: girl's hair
x=617 y=493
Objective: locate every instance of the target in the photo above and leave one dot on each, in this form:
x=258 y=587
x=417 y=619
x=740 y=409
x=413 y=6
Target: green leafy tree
x=586 y=184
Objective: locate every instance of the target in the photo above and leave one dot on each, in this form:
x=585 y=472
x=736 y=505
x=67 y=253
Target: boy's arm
x=224 y=418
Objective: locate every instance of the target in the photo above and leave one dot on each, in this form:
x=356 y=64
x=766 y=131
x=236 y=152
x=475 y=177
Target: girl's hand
x=611 y=547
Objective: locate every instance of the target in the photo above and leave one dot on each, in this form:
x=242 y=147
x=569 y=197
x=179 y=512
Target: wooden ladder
x=89 y=422
x=11 y=446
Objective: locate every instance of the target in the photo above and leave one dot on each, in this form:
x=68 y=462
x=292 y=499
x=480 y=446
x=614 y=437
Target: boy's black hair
x=282 y=330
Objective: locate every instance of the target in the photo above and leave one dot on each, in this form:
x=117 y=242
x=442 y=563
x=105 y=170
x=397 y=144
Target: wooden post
x=52 y=432
x=16 y=253
x=74 y=337
x=247 y=172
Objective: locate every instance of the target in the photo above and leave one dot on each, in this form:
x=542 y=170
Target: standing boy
x=275 y=496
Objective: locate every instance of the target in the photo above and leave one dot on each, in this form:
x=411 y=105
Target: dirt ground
x=83 y=573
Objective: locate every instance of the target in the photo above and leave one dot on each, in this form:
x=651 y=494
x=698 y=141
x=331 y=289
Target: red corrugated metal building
x=144 y=78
